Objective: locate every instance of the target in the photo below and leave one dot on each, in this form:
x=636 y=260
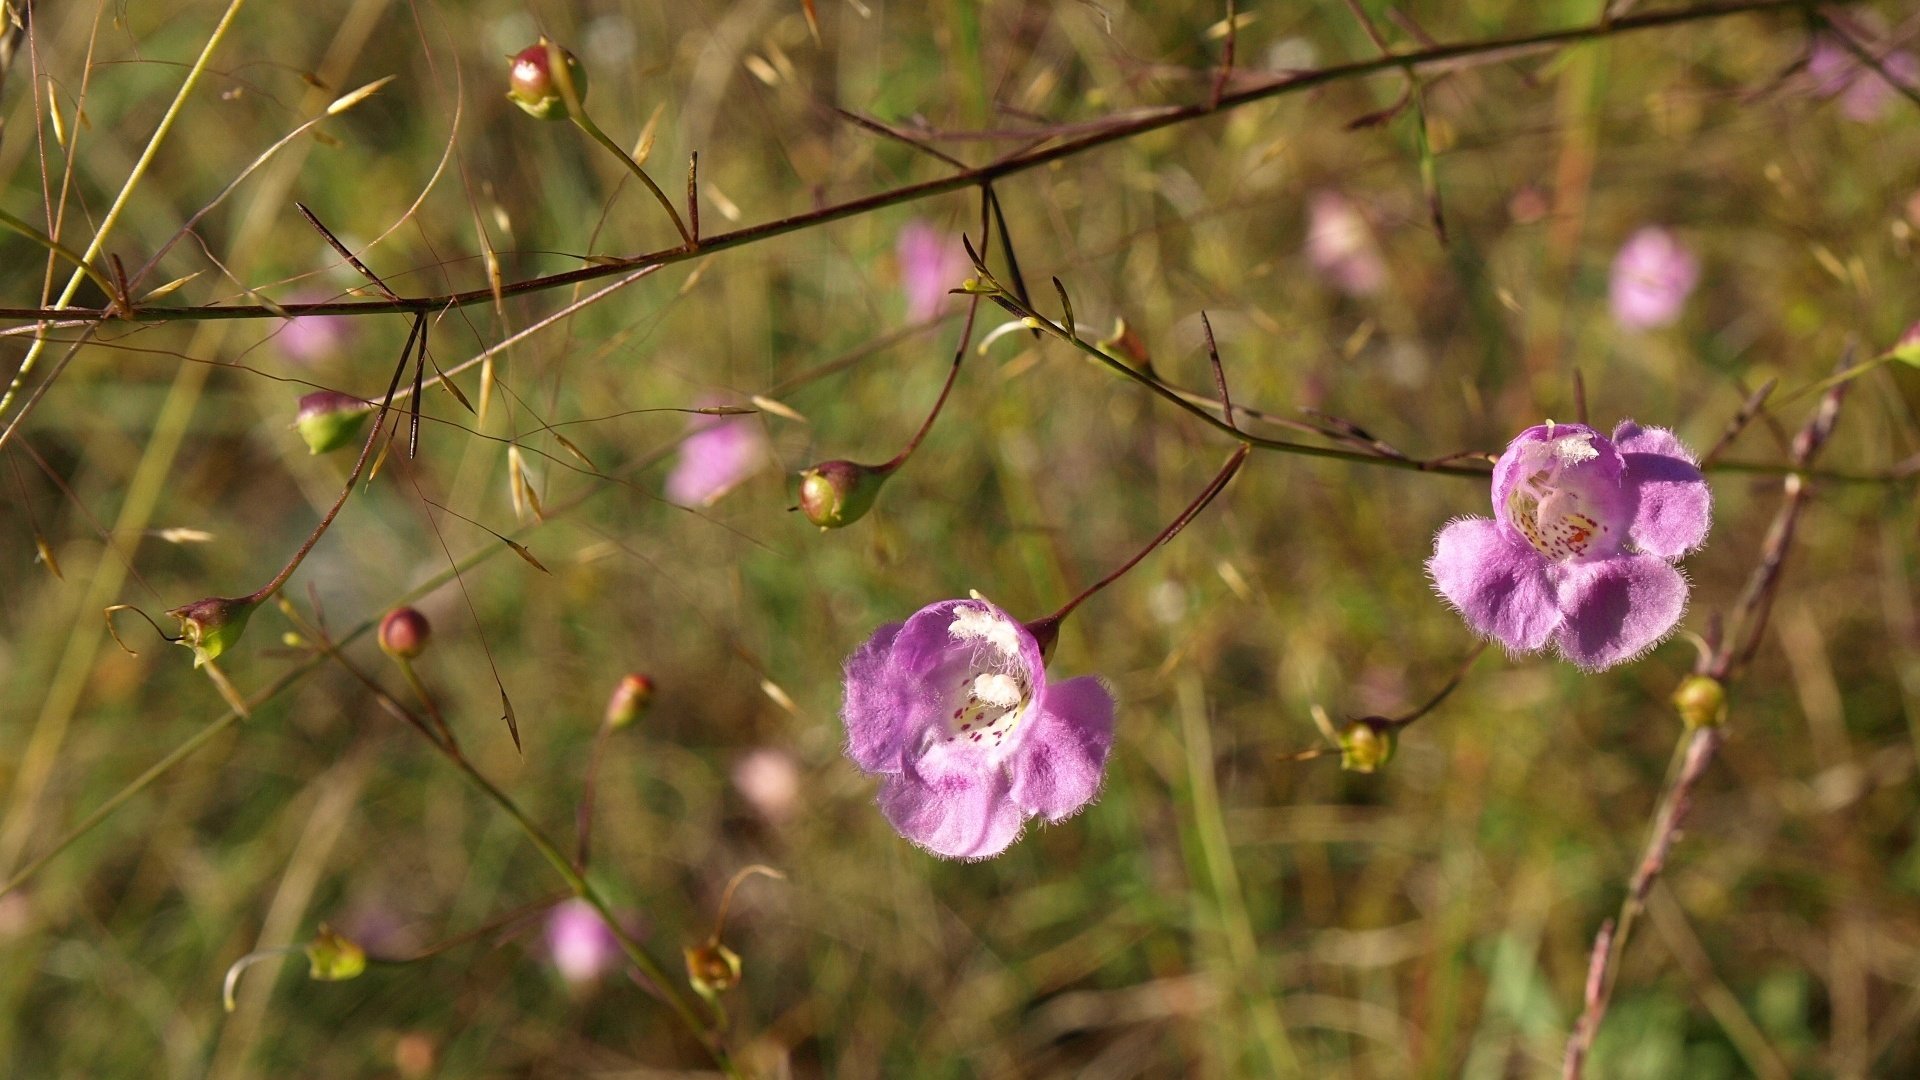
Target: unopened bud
x=837 y=493
x=630 y=700
x=531 y=85
x=332 y=958
x=210 y=627
x=329 y=420
x=712 y=968
x=1701 y=702
x=404 y=633
x=1366 y=745
x=1907 y=349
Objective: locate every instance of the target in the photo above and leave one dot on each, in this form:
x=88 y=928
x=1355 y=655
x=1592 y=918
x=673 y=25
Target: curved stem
x=585 y=123
x=953 y=373
x=1045 y=630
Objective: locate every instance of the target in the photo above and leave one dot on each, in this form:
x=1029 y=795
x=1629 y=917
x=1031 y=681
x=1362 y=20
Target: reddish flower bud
x=328 y=420
x=837 y=493
x=532 y=86
x=404 y=633
x=630 y=700
x=210 y=627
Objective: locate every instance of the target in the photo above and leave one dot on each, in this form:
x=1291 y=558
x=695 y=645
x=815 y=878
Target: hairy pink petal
x=950 y=809
x=1618 y=609
x=1498 y=583
x=1675 y=506
x=1060 y=767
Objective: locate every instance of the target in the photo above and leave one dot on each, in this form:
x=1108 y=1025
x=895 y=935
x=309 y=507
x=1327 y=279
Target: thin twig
x=1699 y=745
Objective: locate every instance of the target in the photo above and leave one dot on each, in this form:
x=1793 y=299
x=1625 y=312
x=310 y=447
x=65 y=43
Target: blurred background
x=1220 y=911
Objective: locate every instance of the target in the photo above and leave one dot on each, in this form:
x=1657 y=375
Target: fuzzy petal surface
x=1618 y=609
x=950 y=808
x=1498 y=583
x=1060 y=766
x=1675 y=505
x=875 y=703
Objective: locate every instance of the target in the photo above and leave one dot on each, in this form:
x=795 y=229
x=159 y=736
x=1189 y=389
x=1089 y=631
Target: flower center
x=986 y=699
x=1556 y=503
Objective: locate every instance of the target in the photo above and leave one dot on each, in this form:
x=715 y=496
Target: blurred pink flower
x=721 y=452
x=932 y=263
x=310 y=339
x=770 y=782
x=1865 y=94
x=580 y=943
x=1341 y=247
x=1653 y=275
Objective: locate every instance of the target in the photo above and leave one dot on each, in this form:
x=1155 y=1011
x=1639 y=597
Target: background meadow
x=1221 y=910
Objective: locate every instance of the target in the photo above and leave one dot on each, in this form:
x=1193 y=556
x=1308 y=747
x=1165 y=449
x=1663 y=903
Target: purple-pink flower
x=1580 y=551
x=581 y=944
x=1341 y=247
x=932 y=264
x=721 y=452
x=1864 y=93
x=953 y=711
x=1653 y=275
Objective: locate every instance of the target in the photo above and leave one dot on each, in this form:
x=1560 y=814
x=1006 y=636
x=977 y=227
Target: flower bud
x=404 y=633
x=329 y=420
x=210 y=627
x=1907 y=349
x=630 y=700
x=712 y=968
x=531 y=85
x=837 y=493
x=1701 y=702
x=1367 y=744
x=332 y=958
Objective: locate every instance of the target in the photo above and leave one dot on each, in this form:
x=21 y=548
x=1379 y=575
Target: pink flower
x=721 y=452
x=932 y=263
x=1865 y=94
x=770 y=782
x=1341 y=247
x=953 y=712
x=309 y=339
x=1653 y=275
x=1580 y=550
x=581 y=944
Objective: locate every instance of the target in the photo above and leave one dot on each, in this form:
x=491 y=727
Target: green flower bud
x=837 y=493
x=329 y=420
x=531 y=85
x=1907 y=349
x=1701 y=701
x=404 y=633
x=1367 y=744
x=332 y=958
x=630 y=700
x=712 y=968
x=210 y=627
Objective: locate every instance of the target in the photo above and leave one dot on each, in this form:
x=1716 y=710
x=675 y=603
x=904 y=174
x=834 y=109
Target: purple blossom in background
x=581 y=944
x=952 y=710
x=1581 y=546
x=1653 y=275
x=310 y=339
x=932 y=263
x=1865 y=94
x=1340 y=245
x=721 y=452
